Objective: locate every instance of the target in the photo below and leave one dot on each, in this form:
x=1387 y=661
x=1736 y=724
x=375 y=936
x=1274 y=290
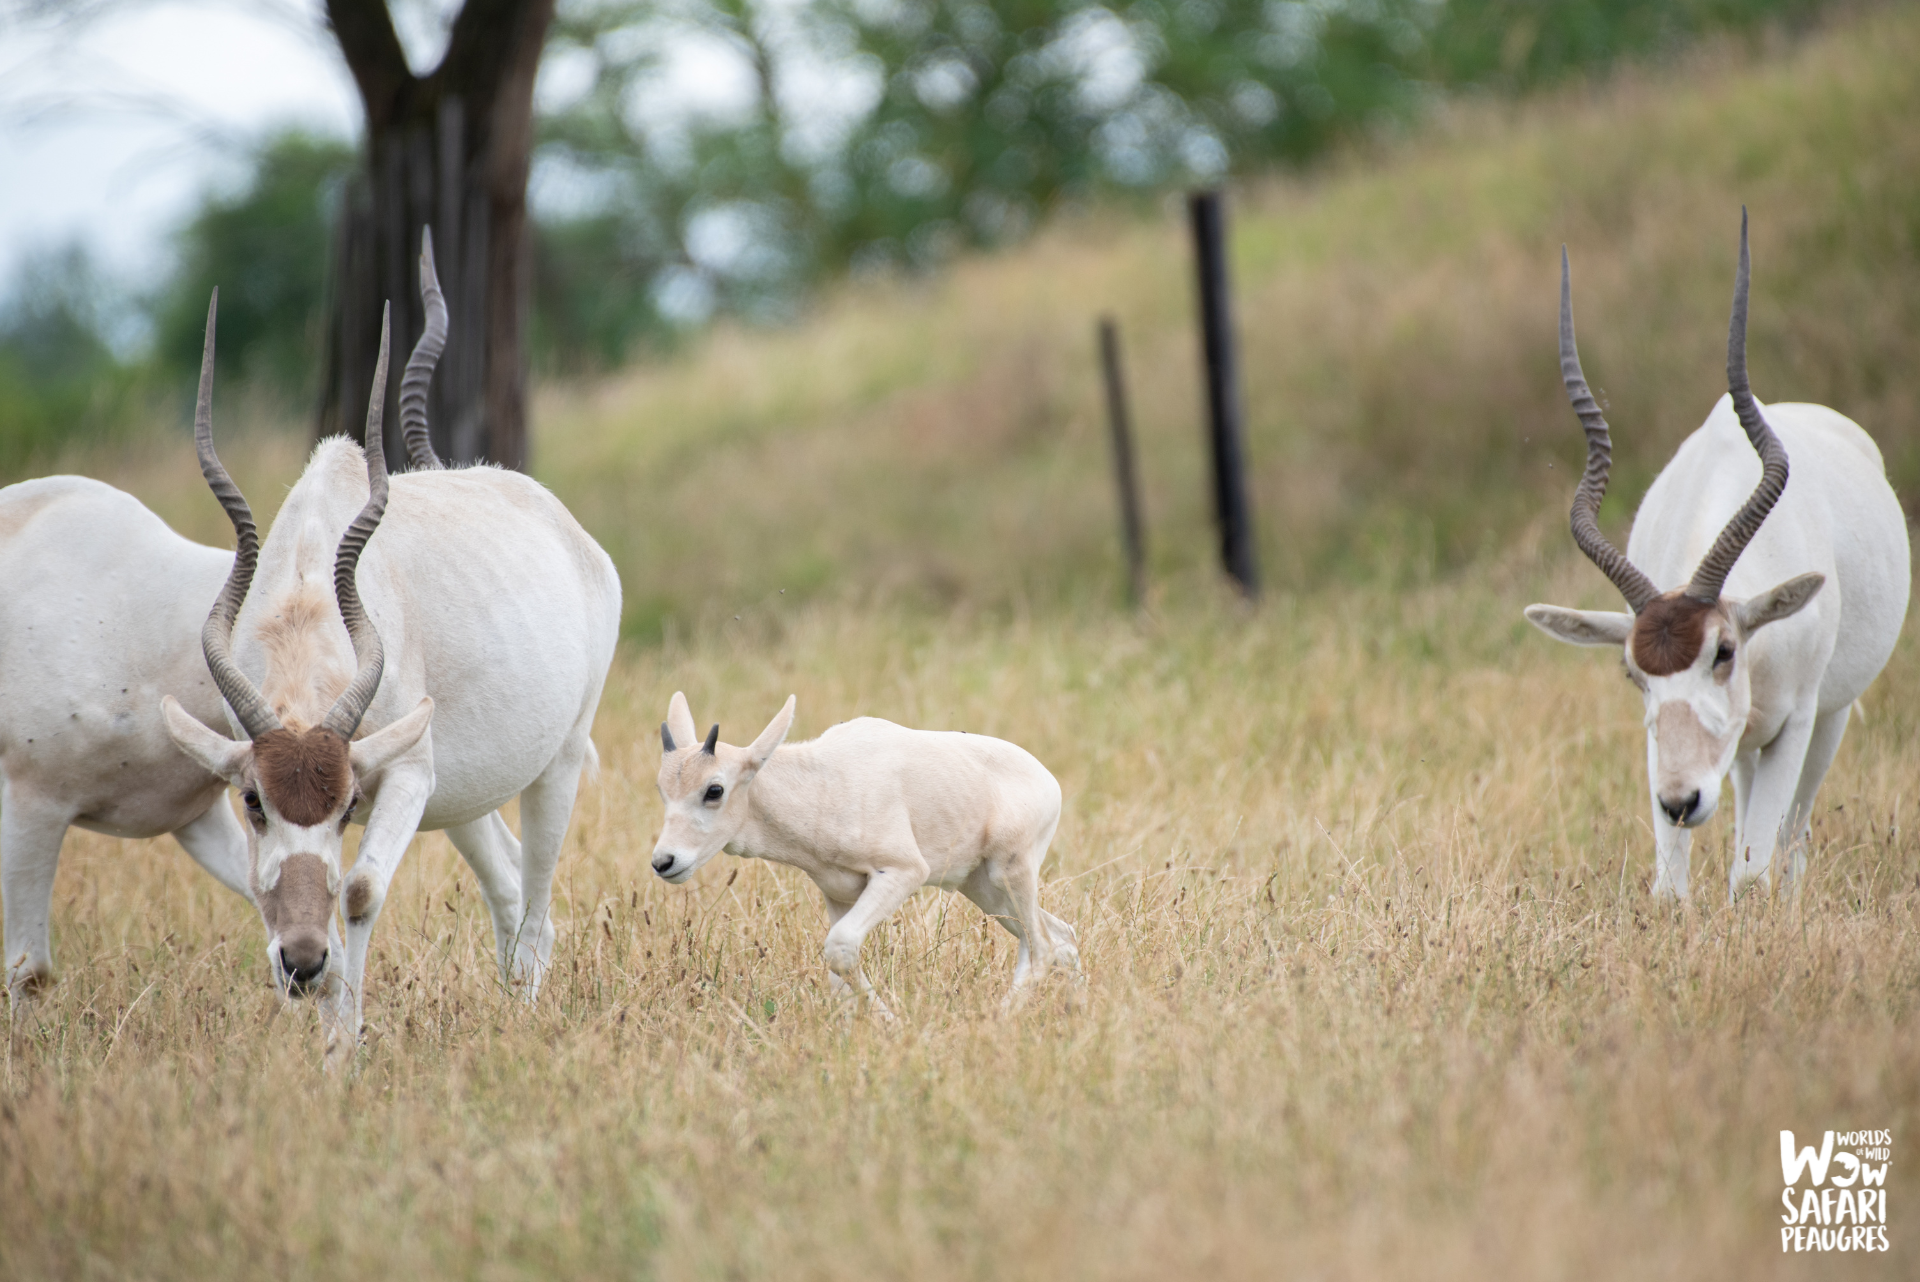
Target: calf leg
x=31 y=832
x=218 y=844
x=989 y=889
x=859 y=987
x=1022 y=880
x=887 y=888
x=493 y=852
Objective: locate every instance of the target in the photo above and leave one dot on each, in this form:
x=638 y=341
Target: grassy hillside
x=1397 y=317
x=1374 y=986
x=944 y=440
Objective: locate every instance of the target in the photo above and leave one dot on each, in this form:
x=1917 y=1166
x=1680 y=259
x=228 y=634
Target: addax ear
x=1581 y=627
x=680 y=722
x=770 y=738
x=218 y=755
x=377 y=751
x=1782 y=602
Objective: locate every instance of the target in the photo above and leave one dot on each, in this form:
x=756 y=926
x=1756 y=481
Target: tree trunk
x=449 y=150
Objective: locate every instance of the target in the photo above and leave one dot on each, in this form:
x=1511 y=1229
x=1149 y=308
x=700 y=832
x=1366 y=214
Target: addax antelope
x=411 y=664
x=871 y=811
x=1760 y=610
x=100 y=613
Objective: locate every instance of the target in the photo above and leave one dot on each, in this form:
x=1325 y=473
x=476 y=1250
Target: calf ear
x=770 y=738
x=680 y=722
x=1778 y=603
x=1581 y=627
x=218 y=755
x=377 y=751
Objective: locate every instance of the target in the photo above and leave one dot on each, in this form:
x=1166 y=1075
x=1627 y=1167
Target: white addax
x=453 y=666
x=871 y=811
x=100 y=613
x=1761 y=610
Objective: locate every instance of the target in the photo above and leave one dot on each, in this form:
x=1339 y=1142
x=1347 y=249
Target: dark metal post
x=1223 y=393
x=1133 y=535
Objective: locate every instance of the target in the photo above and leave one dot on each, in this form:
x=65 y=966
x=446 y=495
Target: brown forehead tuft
x=1667 y=635
x=307 y=776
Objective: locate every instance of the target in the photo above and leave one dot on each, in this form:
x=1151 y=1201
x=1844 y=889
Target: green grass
x=1374 y=987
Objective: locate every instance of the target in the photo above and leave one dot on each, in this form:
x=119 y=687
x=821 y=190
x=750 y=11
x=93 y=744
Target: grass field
x=1374 y=987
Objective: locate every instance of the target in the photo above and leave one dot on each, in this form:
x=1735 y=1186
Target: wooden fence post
x=1230 y=503
x=1133 y=535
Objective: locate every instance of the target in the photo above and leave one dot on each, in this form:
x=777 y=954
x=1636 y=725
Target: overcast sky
x=112 y=124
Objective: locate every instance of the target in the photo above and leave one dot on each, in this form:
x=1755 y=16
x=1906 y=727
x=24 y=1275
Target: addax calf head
x=705 y=787
x=298 y=782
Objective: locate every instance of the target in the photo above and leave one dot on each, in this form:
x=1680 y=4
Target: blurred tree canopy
x=58 y=376
x=866 y=134
x=831 y=136
x=265 y=245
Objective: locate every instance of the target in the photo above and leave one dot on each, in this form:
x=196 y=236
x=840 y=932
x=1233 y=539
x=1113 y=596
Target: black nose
x=661 y=863
x=1677 y=812
x=303 y=973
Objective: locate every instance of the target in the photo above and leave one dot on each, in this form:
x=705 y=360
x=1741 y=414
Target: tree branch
x=489 y=38
x=365 y=31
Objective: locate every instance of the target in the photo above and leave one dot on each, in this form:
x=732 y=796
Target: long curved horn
x=216 y=638
x=1733 y=540
x=418 y=375
x=344 y=717
x=1633 y=585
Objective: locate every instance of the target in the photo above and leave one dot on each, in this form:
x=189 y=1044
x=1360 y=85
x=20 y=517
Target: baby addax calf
x=871 y=811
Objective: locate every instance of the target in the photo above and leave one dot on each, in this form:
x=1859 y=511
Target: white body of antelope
x=1761 y=610
x=871 y=812
x=415 y=680
x=100 y=613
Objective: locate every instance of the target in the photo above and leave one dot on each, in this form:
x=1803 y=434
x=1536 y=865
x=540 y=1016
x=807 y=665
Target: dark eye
x=714 y=793
x=1723 y=656
x=252 y=800
x=347 y=817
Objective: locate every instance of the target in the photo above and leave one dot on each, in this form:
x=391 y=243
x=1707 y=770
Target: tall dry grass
x=1374 y=988
x=1373 y=983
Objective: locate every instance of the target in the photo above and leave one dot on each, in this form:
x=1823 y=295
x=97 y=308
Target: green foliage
x=1518 y=44
x=266 y=246
x=591 y=297
x=971 y=120
x=952 y=124
x=58 y=378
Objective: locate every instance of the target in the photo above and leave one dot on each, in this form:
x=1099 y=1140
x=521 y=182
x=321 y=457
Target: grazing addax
x=1760 y=611
x=871 y=811
x=100 y=612
x=415 y=680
